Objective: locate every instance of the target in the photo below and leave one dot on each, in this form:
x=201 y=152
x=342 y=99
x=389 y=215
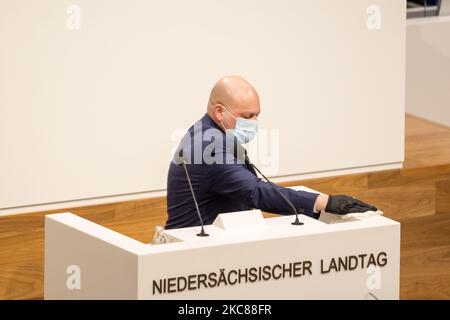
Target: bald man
x=222 y=176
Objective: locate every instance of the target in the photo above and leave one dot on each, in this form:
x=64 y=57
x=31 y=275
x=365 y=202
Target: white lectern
x=244 y=257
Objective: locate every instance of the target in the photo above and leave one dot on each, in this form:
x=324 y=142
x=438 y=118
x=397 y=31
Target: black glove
x=342 y=204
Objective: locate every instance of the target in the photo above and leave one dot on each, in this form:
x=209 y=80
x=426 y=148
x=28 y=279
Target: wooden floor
x=427 y=144
x=418 y=196
x=425 y=257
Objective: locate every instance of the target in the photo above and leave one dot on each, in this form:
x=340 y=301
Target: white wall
x=428 y=68
x=91 y=113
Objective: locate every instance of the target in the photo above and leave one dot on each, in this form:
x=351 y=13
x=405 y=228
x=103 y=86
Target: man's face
x=242 y=110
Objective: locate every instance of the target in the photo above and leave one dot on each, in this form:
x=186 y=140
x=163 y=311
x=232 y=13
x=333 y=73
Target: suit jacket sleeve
x=238 y=183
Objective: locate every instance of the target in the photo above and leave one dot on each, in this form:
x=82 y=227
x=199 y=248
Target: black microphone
x=294 y=209
x=202 y=232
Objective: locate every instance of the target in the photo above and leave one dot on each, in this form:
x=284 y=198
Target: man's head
x=232 y=97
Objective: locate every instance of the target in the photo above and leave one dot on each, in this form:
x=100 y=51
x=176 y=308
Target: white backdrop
x=93 y=113
x=428 y=68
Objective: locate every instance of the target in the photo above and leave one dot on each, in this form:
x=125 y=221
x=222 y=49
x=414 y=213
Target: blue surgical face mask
x=245 y=129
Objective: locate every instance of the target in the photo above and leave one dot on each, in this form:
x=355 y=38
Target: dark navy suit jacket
x=224 y=182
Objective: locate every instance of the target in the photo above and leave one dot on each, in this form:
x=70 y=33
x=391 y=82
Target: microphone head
x=179 y=157
x=240 y=154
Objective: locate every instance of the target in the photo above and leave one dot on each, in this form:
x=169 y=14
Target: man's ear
x=218 y=112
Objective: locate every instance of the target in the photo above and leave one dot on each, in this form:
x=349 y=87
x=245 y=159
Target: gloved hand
x=342 y=204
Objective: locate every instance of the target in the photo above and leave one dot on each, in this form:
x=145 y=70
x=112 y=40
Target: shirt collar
x=209 y=122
